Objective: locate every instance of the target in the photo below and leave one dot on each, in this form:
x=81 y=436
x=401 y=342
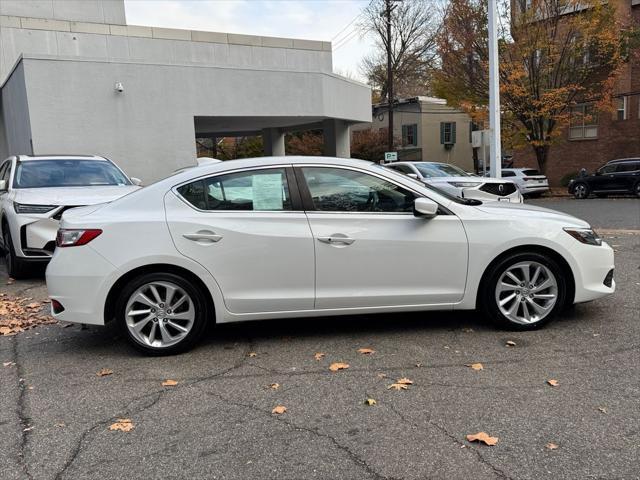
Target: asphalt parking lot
x=217 y=421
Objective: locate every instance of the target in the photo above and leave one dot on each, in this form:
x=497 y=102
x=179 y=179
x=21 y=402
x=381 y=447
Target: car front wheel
x=581 y=191
x=524 y=291
x=16 y=267
x=636 y=189
x=162 y=313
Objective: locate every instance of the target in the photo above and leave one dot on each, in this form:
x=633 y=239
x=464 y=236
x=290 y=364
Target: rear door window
x=255 y=190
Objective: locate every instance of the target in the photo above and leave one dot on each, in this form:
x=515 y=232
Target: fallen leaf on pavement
x=10 y=281
x=553 y=383
x=122 y=424
x=418 y=365
x=60 y=425
x=252 y=354
x=274 y=386
x=475 y=366
x=319 y=356
x=103 y=372
x=398 y=386
x=551 y=446
x=382 y=375
x=279 y=410
x=169 y=383
x=8 y=364
x=404 y=381
x=18 y=315
x=370 y=401
x=334 y=367
x=366 y=351
x=602 y=409
x=483 y=437
x=467 y=330
x=511 y=343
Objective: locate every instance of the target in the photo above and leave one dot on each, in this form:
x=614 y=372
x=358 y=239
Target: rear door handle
x=336 y=240
x=200 y=236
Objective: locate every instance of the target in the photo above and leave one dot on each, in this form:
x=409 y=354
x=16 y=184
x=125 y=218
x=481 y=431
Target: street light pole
x=494 y=94
x=389 y=75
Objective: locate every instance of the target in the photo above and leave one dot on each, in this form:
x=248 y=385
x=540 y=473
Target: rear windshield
x=530 y=172
x=67 y=173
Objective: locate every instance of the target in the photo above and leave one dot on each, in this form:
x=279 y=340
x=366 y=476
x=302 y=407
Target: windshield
x=67 y=173
x=440 y=170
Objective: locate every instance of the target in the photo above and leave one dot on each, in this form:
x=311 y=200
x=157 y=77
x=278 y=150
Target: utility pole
x=388 y=11
x=494 y=94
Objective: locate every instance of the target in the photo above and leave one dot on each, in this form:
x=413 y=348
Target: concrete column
x=337 y=138
x=273 y=141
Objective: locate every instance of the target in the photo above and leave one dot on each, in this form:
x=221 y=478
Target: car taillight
x=527 y=178
x=76 y=237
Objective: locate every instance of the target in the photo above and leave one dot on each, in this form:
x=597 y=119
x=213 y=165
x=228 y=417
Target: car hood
x=523 y=210
x=466 y=179
x=71 y=196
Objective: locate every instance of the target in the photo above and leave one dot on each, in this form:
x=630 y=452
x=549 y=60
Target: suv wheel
x=581 y=190
x=524 y=291
x=16 y=267
x=162 y=313
x=636 y=189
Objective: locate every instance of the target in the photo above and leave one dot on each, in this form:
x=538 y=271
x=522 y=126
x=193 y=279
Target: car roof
x=621 y=160
x=28 y=158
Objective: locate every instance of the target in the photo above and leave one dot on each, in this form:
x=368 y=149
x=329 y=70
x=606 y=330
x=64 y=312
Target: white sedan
x=282 y=237
x=457 y=182
x=36 y=190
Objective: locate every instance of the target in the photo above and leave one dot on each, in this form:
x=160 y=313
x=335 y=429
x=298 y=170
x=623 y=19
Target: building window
x=410 y=135
x=584 y=122
x=621 y=104
x=447 y=133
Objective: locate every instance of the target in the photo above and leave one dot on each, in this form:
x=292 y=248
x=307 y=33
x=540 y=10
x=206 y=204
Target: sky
x=327 y=20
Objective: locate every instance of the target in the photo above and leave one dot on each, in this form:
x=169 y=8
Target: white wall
x=149 y=128
x=15 y=115
x=98 y=11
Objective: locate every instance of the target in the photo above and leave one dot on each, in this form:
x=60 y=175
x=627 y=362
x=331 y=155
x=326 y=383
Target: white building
x=75 y=78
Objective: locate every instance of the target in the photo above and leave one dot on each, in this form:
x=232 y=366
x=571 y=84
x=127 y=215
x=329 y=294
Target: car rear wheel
x=162 y=313
x=16 y=267
x=636 y=189
x=581 y=190
x=524 y=291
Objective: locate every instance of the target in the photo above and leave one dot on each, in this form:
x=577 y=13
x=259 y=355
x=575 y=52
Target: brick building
x=609 y=135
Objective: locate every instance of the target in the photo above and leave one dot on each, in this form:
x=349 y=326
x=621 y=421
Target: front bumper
x=592 y=274
x=78 y=278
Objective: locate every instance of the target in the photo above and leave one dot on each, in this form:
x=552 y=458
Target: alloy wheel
x=526 y=292
x=580 y=191
x=159 y=314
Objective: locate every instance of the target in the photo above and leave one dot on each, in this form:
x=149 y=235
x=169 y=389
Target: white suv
x=456 y=181
x=36 y=190
x=529 y=181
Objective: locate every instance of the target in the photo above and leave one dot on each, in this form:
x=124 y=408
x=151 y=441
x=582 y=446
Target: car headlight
x=27 y=208
x=464 y=184
x=585 y=235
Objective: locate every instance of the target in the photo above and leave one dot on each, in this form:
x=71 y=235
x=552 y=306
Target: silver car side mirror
x=136 y=181
x=413 y=175
x=3 y=185
x=425 y=207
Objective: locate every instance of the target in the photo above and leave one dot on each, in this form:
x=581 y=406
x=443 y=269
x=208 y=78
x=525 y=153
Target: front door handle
x=336 y=240
x=200 y=236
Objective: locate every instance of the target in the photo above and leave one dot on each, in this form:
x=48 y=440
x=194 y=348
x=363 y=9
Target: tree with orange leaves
x=554 y=54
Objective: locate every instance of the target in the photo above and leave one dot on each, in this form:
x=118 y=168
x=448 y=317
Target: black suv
x=617 y=176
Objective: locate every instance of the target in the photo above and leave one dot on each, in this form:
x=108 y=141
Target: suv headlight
x=585 y=235
x=27 y=208
x=464 y=184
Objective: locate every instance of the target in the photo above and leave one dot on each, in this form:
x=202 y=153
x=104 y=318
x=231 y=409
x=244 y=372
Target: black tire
x=16 y=267
x=581 y=190
x=487 y=295
x=199 y=303
x=636 y=189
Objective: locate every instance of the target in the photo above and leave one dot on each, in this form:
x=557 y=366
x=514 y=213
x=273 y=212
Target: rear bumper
x=541 y=187
x=78 y=278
